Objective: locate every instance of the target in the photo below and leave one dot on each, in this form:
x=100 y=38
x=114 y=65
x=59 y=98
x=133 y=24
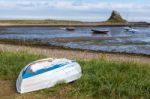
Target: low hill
x=116 y=18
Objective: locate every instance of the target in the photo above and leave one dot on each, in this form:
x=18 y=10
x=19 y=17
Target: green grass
x=101 y=78
x=39 y=21
x=116 y=20
x=11 y=63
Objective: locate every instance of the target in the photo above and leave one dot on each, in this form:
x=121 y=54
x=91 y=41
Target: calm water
x=117 y=40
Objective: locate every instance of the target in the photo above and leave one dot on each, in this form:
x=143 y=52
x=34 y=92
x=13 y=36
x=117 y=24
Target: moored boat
x=100 y=31
x=130 y=29
x=70 y=28
x=46 y=73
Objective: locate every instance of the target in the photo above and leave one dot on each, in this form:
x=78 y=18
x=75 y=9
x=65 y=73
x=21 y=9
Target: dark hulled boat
x=100 y=31
x=70 y=28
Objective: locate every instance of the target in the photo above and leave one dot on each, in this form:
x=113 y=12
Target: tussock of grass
x=101 y=78
x=12 y=63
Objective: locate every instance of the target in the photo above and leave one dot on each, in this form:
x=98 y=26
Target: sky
x=82 y=10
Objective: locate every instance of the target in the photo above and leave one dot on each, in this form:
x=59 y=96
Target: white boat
x=47 y=73
x=130 y=29
x=127 y=28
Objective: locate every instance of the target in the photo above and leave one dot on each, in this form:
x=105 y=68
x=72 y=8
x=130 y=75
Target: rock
x=116 y=18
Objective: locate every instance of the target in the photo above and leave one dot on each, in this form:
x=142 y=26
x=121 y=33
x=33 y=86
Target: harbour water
x=117 y=40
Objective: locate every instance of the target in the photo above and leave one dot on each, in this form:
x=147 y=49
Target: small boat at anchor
x=130 y=29
x=47 y=73
x=100 y=31
x=70 y=28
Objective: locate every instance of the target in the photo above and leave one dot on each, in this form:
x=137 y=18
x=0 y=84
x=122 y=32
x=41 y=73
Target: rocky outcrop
x=116 y=18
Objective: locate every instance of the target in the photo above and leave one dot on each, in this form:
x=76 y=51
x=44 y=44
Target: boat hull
x=131 y=30
x=70 y=28
x=65 y=74
x=99 y=31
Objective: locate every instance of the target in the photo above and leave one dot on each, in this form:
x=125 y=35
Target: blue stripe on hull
x=27 y=74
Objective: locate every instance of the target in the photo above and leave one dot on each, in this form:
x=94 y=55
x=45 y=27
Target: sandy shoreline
x=60 y=25
x=84 y=24
x=74 y=54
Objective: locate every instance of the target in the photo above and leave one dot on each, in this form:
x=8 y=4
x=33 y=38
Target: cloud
x=6 y=4
x=72 y=8
x=72 y=5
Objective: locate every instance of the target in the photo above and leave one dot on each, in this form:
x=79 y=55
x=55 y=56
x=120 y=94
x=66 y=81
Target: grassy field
x=101 y=79
x=38 y=21
x=50 y=22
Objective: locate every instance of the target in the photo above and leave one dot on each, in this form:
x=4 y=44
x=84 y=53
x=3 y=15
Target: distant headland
x=115 y=19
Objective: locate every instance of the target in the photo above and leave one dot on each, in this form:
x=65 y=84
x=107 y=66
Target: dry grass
x=74 y=54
